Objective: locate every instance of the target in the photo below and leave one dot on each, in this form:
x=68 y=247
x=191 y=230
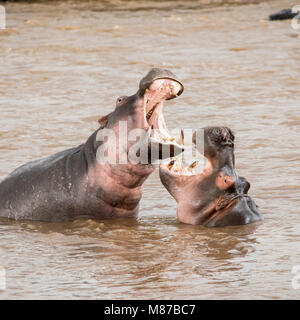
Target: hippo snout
x=242 y=210
x=158 y=74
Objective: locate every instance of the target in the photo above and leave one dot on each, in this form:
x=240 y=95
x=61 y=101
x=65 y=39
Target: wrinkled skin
x=217 y=196
x=74 y=184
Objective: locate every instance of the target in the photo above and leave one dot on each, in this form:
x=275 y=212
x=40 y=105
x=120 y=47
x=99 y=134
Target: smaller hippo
x=217 y=196
x=284 y=14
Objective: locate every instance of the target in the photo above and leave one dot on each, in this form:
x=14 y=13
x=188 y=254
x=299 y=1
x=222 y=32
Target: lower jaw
x=188 y=171
x=184 y=215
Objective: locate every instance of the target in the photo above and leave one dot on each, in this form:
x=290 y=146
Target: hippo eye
x=120 y=100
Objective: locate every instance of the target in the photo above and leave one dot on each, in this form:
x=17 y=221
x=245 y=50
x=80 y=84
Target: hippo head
x=217 y=196
x=143 y=112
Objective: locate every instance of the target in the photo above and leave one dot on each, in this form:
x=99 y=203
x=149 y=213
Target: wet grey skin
x=217 y=196
x=74 y=184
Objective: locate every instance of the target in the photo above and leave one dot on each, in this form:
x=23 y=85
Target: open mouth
x=178 y=168
x=154 y=97
x=175 y=166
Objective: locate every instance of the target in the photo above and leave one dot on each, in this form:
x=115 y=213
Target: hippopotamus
x=283 y=14
x=216 y=196
x=79 y=182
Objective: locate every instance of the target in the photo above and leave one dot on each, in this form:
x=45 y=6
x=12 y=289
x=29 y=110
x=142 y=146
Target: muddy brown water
x=64 y=65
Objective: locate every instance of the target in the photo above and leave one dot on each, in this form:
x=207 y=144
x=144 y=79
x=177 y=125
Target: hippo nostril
x=247 y=187
x=229 y=143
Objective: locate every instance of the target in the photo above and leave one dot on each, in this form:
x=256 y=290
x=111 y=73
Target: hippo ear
x=103 y=121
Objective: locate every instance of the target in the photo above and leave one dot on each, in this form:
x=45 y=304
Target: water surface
x=64 y=65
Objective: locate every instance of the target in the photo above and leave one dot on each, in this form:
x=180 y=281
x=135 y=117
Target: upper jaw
x=153 y=96
x=158 y=85
x=160 y=74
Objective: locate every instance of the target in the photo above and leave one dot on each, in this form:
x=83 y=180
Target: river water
x=62 y=65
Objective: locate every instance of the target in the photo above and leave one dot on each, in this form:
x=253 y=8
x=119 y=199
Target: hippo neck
x=129 y=175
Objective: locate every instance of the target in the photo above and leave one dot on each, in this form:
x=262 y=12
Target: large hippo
x=76 y=183
x=217 y=196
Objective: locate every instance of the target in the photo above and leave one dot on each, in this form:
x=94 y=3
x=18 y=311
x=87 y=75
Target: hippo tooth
x=180 y=140
x=171 y=164
x=152 y=132
x=193 y=165
x=149 y=114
